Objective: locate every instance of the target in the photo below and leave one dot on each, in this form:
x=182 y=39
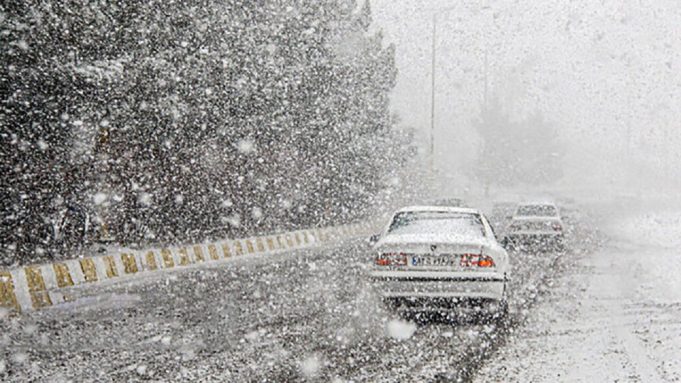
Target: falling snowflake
x=310 y=366
x=400 y=330
x=99 y=198
x=246 y=146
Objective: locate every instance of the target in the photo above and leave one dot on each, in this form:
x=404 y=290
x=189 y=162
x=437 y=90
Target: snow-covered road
x=303 y=315
x=615 y=316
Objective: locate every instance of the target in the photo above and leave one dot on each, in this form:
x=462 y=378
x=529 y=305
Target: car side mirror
x=373 y=239
x=504 y=243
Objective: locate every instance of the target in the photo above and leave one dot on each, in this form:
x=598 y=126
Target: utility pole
x=432 y=85
x=432 y=97
x=433 y=57
x=485 y=99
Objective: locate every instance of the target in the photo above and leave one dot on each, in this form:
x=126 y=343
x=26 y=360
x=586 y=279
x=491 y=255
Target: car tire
x=501 y=314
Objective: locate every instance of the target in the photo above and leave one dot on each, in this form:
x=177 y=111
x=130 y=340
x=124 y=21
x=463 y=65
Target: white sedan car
x=536 y=225
x=441 y=258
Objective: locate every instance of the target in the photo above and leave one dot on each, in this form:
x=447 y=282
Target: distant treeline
x=174 y=120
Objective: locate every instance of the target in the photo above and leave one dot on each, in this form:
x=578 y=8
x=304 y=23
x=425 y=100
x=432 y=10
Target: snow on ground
x=303 y=315
x=615 y=317
x=655 y=229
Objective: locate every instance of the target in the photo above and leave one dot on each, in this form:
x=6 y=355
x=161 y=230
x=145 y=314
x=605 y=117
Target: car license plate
x=435 y=260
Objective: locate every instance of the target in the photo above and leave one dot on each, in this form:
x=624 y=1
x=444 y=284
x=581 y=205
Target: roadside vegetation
x=157 y=121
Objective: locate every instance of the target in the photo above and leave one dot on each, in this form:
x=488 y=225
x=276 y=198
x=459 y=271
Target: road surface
x=308 y=315
x=615 y=316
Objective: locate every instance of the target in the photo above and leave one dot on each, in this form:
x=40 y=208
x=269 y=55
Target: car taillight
x=486 y=261
x=479 y=260
x=391 y=259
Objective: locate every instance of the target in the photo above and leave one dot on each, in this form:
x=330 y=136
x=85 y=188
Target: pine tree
x=171 y=121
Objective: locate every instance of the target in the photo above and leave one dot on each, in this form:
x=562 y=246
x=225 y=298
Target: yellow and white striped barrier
x=34 y=287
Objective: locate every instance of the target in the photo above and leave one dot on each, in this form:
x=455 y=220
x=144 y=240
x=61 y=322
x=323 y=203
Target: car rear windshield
x=537 y=211
x=440 y=223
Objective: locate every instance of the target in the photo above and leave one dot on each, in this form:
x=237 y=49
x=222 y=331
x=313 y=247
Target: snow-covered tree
x=170 y=121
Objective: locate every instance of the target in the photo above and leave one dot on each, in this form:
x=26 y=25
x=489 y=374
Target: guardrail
x=34 y=287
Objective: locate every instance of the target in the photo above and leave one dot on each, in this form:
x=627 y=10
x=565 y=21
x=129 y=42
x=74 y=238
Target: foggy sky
x=608 y=72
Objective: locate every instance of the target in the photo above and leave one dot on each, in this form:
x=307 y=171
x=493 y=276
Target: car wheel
x=501 y=313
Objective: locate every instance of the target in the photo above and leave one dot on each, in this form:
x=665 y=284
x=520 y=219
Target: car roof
x=449 y=199
x=448 y=209
x=537 y=203
x=537 y=218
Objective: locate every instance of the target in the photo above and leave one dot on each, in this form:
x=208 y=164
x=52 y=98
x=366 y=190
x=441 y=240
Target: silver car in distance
x=441 y=259
x=536 y=226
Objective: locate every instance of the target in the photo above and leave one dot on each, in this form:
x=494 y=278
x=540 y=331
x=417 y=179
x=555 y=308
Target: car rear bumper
x=535 y=239
x=439 y=286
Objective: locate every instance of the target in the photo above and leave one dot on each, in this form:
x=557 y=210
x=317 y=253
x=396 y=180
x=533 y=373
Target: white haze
x=607 y=73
